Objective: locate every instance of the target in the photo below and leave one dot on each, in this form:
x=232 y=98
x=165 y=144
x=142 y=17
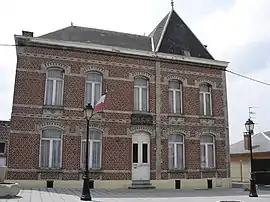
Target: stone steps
x=141 y=184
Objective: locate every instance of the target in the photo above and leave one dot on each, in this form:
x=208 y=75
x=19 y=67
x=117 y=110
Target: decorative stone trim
x=75 y=118
x=92 y=126
x=46 y=66
x=136 y=129
x=178 y=71
x=92 y=68
x=175 y=77
x=175 y=119
x=142 y=74
x=201 y=81
x=52 y=124
x=172 y=131
x=53 y=110
x=207 y=131
x=208 y=122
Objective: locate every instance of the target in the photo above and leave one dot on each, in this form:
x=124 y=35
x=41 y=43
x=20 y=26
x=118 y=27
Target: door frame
x=141 y=138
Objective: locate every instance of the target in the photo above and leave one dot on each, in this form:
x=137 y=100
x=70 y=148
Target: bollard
x=209 y=184
x=49 y=183
x=177 y=184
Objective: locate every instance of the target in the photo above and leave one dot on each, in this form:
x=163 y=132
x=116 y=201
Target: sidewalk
x=121 y=195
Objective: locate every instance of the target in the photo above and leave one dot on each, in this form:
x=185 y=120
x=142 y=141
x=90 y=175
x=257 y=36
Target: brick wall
x=29 y=115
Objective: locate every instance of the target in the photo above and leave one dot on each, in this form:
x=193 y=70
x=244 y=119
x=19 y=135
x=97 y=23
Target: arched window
x=176 y=152
x=141 y=94
x=93 y=86
x=205 y=100
x=207 y=143
x=50 y=148
x=175 y=96
x=94 y=149
x=54 y=87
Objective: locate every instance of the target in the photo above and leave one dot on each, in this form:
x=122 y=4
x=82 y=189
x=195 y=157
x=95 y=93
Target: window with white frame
x=54 y=87
x=175 y=96
x=140 y=94
x=93 y=87
x=51 y=148
x=94 y=149
x=176 y=152
x=205 y=100
x=207 y=148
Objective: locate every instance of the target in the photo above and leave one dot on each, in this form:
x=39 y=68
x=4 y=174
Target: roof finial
x=172 y=3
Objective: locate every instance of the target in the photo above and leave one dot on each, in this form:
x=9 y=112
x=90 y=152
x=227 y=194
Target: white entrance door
x=140 y=156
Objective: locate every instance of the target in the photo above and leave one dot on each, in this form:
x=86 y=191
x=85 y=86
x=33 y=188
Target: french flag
x=101 y=103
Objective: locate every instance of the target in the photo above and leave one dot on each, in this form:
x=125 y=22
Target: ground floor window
x=50 y=151
x=207 y=147
x=94 y=145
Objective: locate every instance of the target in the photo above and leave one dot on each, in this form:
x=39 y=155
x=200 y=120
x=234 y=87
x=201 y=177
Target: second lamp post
x=249 y=127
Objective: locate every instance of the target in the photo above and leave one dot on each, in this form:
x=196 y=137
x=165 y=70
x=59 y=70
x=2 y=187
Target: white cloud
x=243 y=94
x=226 y=31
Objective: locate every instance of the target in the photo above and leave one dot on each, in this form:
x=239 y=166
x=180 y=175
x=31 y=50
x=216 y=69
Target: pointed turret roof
x=172 y=35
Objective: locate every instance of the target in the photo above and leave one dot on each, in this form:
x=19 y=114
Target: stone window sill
x=206 y=117
x=141 y=112
x=208 y=169
x=98 y=170
x=177 y=170
x=176 y=115
x=56 y=170
x=56 y=107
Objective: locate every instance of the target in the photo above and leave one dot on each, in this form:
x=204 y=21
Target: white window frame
x=90 y=162
x=205 y=146
x=140 y=94
x=93 y=88
x=54 y=86
x=51 y=148
x=174 y=143
x=204 y=99
x=174 y=90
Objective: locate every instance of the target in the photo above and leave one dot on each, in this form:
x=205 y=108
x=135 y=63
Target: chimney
x=27 y=33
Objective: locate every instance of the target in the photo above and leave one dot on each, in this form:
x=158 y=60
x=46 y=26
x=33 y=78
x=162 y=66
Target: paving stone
x=127 y=195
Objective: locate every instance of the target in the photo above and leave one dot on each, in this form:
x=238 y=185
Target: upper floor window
x=94 y=150
x=140 y=94
x=207 y=151
x=50 y=151
x=175 y=96
x=93 y=86
x=54 y=87
x=176 y=151
x=205 y=100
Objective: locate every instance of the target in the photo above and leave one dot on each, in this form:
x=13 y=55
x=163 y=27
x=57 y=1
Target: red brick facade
x=29 y=114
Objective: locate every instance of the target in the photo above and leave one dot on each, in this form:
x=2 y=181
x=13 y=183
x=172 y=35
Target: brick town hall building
x=165 y=117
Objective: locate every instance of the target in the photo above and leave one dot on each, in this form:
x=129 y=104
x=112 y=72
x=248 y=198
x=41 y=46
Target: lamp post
x=86 y=195
x=249 y=127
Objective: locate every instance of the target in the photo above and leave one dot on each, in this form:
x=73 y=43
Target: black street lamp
x=86 y=195
x=249 y=127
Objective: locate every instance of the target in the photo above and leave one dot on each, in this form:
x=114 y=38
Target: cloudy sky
x=237 y=31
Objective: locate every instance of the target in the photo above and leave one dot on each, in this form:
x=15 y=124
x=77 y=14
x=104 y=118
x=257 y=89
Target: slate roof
x=171 y=35
x=102 y=37
x=260 y=144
